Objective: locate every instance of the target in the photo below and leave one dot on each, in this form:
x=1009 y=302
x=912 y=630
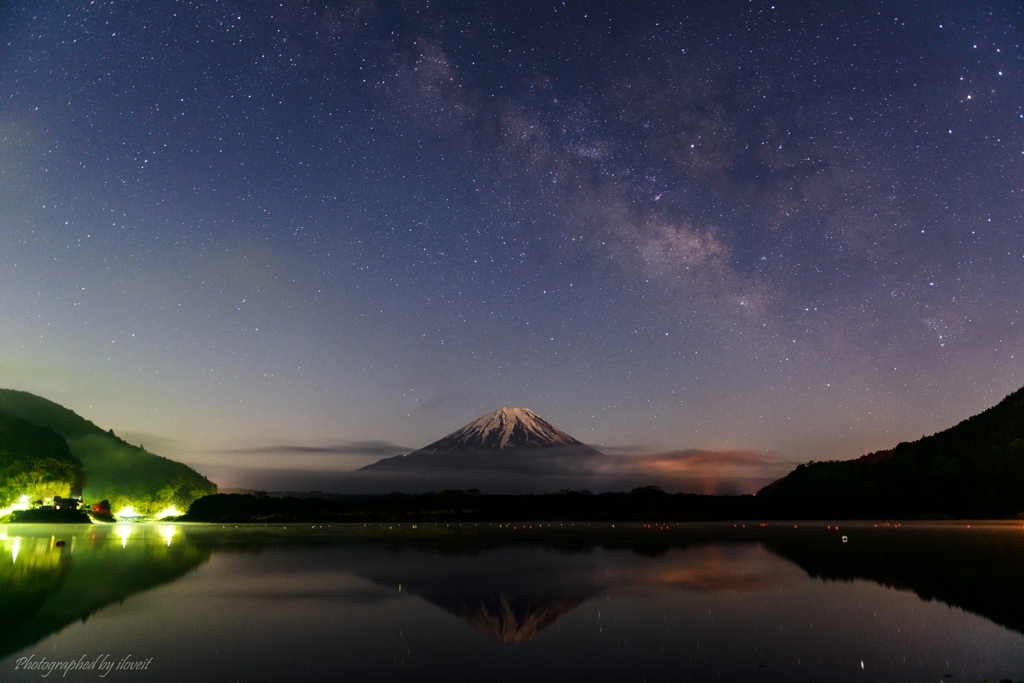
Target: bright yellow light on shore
x=168 y=531
x=22 y=504
x=127 y=511
x=168 y=512
x=123 y=531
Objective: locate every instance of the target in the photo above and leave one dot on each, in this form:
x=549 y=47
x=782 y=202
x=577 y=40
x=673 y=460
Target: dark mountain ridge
x=973 y=469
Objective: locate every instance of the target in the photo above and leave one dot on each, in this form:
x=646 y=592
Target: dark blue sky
x=793 y=228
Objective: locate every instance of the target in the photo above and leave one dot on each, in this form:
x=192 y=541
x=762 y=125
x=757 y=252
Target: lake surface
x=669 y=602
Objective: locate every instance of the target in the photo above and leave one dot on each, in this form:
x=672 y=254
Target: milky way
x=305 y=234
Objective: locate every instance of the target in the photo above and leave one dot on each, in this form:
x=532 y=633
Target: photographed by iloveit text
x=101 y=665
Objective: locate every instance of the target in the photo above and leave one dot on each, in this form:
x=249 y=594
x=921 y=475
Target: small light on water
x=168 y=531
x=123 y=531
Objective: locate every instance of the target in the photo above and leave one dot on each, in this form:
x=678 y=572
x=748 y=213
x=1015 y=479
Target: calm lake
x=471 y=602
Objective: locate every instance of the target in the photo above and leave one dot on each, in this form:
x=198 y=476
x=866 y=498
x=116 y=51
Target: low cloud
x=307 y=457
x=347 y=448
x=695 y=460
x=687 y=471
x=701 y=471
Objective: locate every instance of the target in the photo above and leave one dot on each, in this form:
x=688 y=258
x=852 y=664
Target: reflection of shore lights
x=123 y=531
x=17 y=547
x=168 y=532
x=168 y=512
x=127 y=511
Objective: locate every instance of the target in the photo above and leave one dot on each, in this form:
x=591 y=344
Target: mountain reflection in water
x=44 y=587
x=513 y=595
x=509 y=619
x=300 y=591
x=978 y=568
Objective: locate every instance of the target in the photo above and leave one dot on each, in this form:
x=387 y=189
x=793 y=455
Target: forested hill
x=975 y=469
x=35 y=462
x=114 y=469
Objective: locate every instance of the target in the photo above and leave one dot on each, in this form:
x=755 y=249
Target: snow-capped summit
x=507 y=442
x=502 y=430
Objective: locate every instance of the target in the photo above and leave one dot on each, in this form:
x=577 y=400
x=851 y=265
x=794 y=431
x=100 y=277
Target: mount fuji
x=515 y=451
x=514 y=439
x=504 y=430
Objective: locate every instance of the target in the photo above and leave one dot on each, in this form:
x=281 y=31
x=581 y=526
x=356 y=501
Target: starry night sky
x=262 y=236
